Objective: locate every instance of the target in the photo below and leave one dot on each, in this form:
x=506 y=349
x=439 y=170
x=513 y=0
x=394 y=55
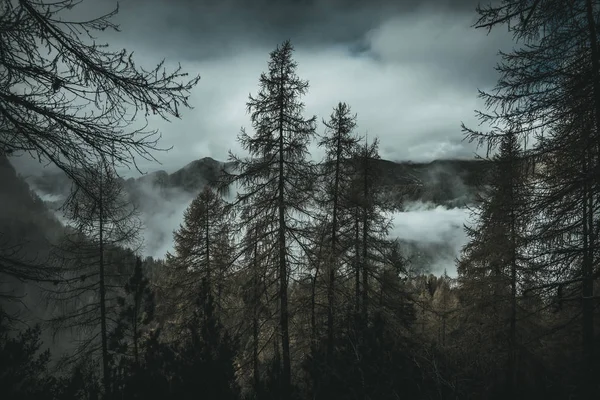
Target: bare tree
x=68 y=100
x=102 y=223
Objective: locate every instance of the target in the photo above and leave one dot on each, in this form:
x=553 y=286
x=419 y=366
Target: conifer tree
x=257 y=289
x=371 y=224
x=496 y=260
x=540 y=85
x=91 y=261
x=339 y=145
x=136 y=313
x=276 y=177
x=205 y=365
x=200 y=244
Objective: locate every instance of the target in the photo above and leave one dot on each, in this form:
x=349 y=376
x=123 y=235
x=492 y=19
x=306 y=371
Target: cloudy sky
x=409 y=69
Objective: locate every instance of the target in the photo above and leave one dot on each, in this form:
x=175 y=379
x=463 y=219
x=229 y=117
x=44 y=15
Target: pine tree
x=23 y=366
x=339 y=146
x=540 y=85
x=199 y=251
x=127 y=341
x=496 y=261
x=256 y=292
x=136 y=313
x=276 y=178
x=89 y=257
x=568 y=203
x=205 y=366
x=371 y=225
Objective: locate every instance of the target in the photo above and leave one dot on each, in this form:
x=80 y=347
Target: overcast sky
x=409 y=69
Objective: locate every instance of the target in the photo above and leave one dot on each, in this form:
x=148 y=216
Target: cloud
x=409 y=69
x=161 y=212
x=434 y=227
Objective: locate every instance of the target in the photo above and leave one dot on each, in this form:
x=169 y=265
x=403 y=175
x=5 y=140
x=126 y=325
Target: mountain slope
x=443 y=182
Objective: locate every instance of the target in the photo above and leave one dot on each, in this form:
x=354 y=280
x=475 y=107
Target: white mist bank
x=438 y=229
x=428 y=224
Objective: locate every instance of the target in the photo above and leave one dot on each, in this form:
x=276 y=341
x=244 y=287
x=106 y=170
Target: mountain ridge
x=448 y=182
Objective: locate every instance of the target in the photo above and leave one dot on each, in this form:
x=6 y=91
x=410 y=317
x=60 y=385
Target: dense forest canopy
x=287 y=277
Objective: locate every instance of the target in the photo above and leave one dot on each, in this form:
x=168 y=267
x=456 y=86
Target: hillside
x=450 y=183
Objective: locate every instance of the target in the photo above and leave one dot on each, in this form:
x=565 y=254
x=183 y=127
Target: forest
x=283 y=282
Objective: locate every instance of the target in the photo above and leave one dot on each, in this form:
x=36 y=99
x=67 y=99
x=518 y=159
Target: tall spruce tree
x=198 y=252
x=92 y=262
x=556 y=67
x=276 y=177
x=371 y=224
x=495 y=262
x=339 y=145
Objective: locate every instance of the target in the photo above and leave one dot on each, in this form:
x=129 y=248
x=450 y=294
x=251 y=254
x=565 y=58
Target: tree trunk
x=332 y=264
x=357 y=262
x=207 y=244
x=102 y=288
x=590 y=241
x=255 y=301
x=513 y=283
x=365 y=238
x=283 y=295
x=313 y=303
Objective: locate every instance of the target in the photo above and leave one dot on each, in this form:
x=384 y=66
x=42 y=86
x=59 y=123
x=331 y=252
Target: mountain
x=190 y=178
x=27 y=231
x=451 y=183
x=23 y=213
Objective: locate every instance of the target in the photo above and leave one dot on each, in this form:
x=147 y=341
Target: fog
x=435 y=230
x=161 y=212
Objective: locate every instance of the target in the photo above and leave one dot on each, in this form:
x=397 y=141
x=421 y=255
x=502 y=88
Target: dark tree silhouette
x=276 y=179
x=61 y=71
x=102 y=221
x=339 y=145
x=201 y=247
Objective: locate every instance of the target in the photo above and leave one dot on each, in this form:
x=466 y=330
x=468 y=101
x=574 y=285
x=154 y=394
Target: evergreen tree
x=23 y=368
x=371 y=224
x=339 y=146
x=548 y=88
x=91 y=268
x=200 y=251
x=256 y=293
x=496 y=260
x=276 y=178
x=136 y=314
x=205 y=363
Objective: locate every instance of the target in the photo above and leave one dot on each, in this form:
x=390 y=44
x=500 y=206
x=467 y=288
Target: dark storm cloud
x=410 y=69
x=219 y=27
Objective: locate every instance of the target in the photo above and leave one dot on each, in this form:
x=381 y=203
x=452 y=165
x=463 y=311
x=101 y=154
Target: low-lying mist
x=431 y=235
x=436 y=233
